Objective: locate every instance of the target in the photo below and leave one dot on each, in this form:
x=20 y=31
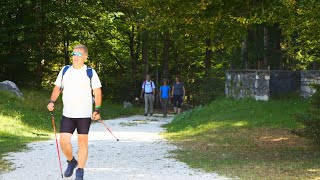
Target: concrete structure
x=263 y=84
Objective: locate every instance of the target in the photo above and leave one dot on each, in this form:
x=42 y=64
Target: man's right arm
x=142 y=90
x=172 y=91
x=54 y=96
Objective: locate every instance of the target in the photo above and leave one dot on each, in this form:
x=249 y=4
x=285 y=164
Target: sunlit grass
x=14 y=126
x=245 y=139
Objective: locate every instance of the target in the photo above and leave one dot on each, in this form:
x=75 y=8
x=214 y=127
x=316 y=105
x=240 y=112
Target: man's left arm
x=98 y=101
x=184 y=93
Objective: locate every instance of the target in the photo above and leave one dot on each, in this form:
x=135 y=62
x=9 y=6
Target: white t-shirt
x=148 y=86
x=76 y=95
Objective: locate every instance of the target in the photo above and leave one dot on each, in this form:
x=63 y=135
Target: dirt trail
x=140 y=154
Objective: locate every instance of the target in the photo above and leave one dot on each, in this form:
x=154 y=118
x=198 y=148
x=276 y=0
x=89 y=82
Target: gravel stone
x=141 y=154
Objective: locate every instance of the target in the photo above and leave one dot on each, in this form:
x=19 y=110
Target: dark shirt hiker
x=178 y=92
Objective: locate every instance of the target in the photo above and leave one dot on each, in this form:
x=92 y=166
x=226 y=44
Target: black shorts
x=68 y=125
x=177 y=100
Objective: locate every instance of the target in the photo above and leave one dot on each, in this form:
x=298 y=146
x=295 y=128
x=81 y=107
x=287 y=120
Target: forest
x=197 y=39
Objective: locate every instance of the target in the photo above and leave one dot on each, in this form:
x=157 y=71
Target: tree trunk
x=145 y=49
x=66 y=47
x=166 y=46
x=138 y=41
x=157 y=76
x=244 y=51
x=134 y=75
x=266 y=45
x=131 y=47
x=208 y=57
x=66 y=37
x=41 y=45
x=277 y=47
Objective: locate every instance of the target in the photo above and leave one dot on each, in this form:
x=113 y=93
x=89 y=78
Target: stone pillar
x=309 y=78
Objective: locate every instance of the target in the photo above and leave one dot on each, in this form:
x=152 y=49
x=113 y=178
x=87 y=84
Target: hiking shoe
x=151 y=114
x=145 y=114
x=79 y=174
x=71 y=165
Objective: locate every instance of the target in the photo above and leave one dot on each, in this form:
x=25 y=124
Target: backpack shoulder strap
x=89 y=74
x=64 y=72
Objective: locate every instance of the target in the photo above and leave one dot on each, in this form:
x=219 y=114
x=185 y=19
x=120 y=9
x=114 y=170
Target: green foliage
x=311 y=119
x=210 y=87
x=244 y=113
x=127 y=39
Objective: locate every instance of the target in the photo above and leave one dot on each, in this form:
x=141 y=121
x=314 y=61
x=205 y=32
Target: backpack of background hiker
x=144 y=86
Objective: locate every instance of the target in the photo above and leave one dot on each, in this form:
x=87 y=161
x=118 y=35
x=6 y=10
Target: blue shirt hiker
x=164 y=96
x=165 y=91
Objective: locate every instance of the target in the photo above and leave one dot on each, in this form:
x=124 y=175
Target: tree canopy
x=198 y=40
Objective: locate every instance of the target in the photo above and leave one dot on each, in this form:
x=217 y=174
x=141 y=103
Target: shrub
x=311 y=119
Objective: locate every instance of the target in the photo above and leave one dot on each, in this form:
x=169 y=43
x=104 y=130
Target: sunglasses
x=76 y=54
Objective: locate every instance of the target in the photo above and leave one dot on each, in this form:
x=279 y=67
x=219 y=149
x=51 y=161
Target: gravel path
x=140 y=154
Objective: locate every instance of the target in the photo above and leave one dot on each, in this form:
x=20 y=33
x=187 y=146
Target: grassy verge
x=245 y=139
x=27 y=120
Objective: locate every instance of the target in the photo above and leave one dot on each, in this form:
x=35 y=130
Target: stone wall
x=308 y=78
x=248 y=84
x=263 y=84
x=284 y=81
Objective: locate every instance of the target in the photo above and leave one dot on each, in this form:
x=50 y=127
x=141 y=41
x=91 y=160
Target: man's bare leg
x=83 y=150
x=66 y=146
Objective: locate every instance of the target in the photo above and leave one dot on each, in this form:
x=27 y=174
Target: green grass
x=110 y=111
x=241 y=113
x=27 y=120
x=246 y=139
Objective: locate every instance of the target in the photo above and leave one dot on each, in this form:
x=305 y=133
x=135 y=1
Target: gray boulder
x=127 y=105
x=11 y=87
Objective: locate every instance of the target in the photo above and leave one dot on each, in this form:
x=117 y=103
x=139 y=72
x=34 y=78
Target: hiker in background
x=148 y=91
x=164 y=96
x=178 y=92
x=77 y=83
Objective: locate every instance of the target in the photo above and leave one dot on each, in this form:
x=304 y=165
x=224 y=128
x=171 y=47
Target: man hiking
x=148 y=90
x=77 y=88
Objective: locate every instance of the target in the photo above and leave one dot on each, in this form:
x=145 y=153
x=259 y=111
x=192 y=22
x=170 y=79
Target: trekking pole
x=108 y=129
x=55 y=134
